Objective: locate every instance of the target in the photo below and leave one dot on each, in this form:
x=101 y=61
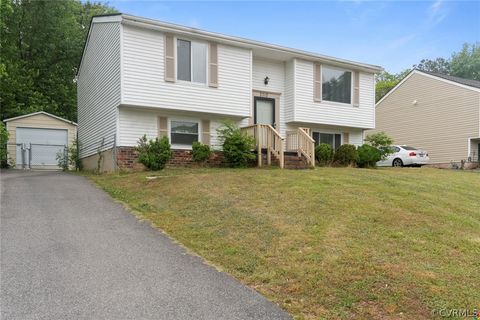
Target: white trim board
x=40 y=112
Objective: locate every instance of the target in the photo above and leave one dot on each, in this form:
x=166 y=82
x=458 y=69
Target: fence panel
x=45 y=156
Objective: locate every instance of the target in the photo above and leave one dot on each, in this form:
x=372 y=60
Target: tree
x=387 y=81
x=438 y=65
x=41 y=45
x=466 y=63
x=463 y=64
x=380 y=141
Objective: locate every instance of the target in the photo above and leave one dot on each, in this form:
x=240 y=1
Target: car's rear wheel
x=397 y=162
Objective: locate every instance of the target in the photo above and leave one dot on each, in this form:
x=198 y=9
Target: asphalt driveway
x=69 y=252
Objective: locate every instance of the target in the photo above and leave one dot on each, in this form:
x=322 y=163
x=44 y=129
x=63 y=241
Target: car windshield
x=409 y=148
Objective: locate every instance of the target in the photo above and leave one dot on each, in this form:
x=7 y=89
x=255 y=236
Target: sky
x=392 y=34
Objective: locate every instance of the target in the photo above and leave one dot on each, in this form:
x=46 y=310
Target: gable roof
x=467 y=82
x=473 y=85
x=38 y=113
x=218 y=37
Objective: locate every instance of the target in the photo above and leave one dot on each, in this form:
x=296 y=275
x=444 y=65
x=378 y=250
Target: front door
x=478 y=152
x=264 y=111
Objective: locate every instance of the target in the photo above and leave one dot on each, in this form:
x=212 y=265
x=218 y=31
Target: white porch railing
x=266 y=137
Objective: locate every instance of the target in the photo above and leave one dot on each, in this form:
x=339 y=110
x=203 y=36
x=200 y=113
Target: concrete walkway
x=69 y=252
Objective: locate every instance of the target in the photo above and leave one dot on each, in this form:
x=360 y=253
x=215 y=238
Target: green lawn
x=325 y=243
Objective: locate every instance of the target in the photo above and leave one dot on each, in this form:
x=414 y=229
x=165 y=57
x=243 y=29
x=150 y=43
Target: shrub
x=200 y=152
x=62 y=159
x=368 y=156
x=3 y=146
x=154 y=154
x=381 y=142
x=345 y=155
x=237 y=146
x=324 y=153
x=69 y=158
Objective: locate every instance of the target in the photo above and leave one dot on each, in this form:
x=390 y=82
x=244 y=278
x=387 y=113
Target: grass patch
x=326 y=243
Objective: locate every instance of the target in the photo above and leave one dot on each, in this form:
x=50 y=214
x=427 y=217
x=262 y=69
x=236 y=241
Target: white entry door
x=44 y=144
x=265 y=111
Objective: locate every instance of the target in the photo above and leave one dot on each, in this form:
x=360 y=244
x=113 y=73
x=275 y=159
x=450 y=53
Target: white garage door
x=44 y=145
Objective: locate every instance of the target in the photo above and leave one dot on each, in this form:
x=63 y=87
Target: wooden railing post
x=282 y=155
x=269 y=147
x=259 y=146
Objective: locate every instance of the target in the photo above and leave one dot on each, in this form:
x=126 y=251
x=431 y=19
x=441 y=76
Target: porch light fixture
x=265 y=81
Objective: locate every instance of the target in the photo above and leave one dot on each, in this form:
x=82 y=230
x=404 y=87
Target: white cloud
x=436 y=12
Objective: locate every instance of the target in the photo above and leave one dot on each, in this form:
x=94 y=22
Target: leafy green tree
x=382 y=142
x=463 y=64
x=3 y=146
x=41 y=45
x=387 y=81
x=438 y=65
x=466 y=63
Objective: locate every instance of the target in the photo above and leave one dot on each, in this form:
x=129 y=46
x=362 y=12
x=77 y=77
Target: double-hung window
x=183 y=133
x=191 y=61
x=333 y=139
x=336 y=85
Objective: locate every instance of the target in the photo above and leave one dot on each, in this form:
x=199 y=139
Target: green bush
x=62 y=159
x=346 y=155
x=68 y=158
x=381 y=142
x=237 y=146
x=324 y=153
x=368 y=156
x=3 y=146
x=154 y=154
x=200 y=152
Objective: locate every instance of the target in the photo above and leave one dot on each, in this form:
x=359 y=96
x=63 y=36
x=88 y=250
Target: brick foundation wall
x=127 y=159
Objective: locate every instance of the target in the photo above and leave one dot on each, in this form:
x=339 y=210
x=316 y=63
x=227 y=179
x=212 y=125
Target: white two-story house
x=141 y=76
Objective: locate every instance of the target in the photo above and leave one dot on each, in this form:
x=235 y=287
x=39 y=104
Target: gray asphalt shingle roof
x=467 y=82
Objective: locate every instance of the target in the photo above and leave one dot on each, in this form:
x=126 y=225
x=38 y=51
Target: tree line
x=463 y=64
x=41 y=44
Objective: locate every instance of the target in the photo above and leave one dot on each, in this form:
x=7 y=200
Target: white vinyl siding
x=144 y=84
x=99 y=87
x=134 y=123
x=331 y=113
x=289 y=90
x=275 y=71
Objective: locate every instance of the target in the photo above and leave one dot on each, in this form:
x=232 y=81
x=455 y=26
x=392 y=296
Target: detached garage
x=36 y=139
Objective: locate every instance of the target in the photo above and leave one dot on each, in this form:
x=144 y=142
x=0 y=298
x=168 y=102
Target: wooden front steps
x=291 y=160
x=299 y=144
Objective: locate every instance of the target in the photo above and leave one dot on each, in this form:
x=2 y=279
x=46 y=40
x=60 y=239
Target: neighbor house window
x=333 y=139
x=191 y=61
x=336 y=85
x=183 y=132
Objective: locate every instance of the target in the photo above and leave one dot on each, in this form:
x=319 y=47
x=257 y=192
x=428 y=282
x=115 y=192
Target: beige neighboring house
x=36 y=138
x=435 y=112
